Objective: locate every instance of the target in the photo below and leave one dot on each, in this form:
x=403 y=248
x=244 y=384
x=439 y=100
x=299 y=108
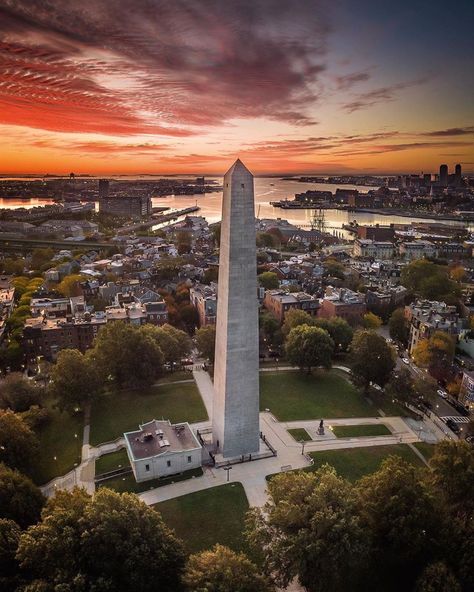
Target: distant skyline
x=290 y=86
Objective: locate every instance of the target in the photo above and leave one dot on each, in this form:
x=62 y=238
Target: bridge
x=19 y=244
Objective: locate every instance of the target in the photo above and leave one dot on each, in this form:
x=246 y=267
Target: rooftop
x=158 y=437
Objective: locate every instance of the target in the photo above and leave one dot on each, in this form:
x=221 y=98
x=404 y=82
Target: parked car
x=452 y=425
x=406 y=361
x=442 y=394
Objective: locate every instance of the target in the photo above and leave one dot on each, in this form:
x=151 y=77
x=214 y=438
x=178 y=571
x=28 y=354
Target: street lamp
x=228 y=468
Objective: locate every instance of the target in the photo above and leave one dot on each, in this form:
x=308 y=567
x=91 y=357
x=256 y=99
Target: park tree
x=222 y=570
x=452 y=476
x=398 y=326
x=76 y=380
x=437 y=577
x=206 y=342
x=295 y=317
x=309 y=529
x=400 y=386
x=397 y=510
x=70 y=285
x=270 y=328
x=435 y=353
x=309 y=347
x=18 y=393
x=429 y=280
x=106 y=542
x=9 y=570
x=127 y=356
x=372 y=360
x=339 y=330
x=174 y=343
x=425 y=387
x=269 y=280
x=371 y=321
x=20 y=499
x=18 y=443
x=182 y=339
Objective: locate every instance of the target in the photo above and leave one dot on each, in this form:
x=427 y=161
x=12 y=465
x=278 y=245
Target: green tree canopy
x=339 y=330
x=398 y=326
x=371 y=321
x=18 y=393
x=127 y=355
x=397 y=509
x=221 y=570
x=69 y=286
x=206 y=342
x=269 y=280
x=435 y=353
x=18 y=443
x=429 y=280
x=309 y=529
x=309 y=347
x=106 y=542
x=372 y=360
x=452 y=476
x=295 y=317
x=400 y=386
x=20 y=499
x=9 y=538
x=437 y=577
x=75 y=379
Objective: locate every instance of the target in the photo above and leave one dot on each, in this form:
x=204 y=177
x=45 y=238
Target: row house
x=278 y=303
x=425 y=317
x=341 y=302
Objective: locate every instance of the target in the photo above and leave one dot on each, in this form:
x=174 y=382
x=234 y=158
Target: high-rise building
x=443 y=175
x=457 y=175
x=235 y=422
x=130 y=206
x=103 y=188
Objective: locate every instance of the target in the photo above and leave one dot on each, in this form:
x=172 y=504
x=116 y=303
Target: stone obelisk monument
x=235 y=422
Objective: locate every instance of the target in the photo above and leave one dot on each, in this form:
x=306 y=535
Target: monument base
x=266 y=450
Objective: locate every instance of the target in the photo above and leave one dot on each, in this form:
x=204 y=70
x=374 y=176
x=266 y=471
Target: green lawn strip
x=299 y=434
x=60 y=437
x=123 y=411
x=294 y=395
x=111 y=461
x=207 y=517
x=175 y=377
x=354 y=431
x=127 y=483
x=354 y=463
x=426 y=449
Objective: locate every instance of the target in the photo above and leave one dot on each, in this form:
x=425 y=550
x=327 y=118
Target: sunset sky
x=185 y=86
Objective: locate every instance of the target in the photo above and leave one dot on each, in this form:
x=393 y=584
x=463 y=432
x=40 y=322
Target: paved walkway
x=206 y=389
x=250 y=474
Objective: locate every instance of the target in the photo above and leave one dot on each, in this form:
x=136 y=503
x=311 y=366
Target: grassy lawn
x=426 y=449
x=127 y=483
x=58 y=439
x=354 y=463
x=123 y=411
x=207 y=517
x=294 y=395
x=354 y=431
x=112 y=461
x=300 y=434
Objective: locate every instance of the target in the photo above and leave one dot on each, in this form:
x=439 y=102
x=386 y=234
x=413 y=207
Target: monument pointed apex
x=238 y=166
